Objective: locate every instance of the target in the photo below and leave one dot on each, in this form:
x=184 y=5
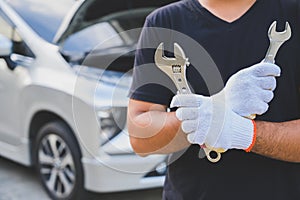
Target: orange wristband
x=254 y=138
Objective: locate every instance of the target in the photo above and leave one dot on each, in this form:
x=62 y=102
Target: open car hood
x=86 y=12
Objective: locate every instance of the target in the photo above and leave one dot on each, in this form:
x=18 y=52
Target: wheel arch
x=41 y=118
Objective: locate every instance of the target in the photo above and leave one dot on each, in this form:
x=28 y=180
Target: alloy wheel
x=57 y=166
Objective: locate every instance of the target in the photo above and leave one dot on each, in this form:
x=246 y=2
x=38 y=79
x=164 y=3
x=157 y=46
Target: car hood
x=85 y=12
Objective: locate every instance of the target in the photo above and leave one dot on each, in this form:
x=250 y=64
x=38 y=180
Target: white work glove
x=250 y=90
x=208 y=120
x=216 y=121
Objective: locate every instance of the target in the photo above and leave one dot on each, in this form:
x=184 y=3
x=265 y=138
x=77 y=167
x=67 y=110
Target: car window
x=19 y=46
x=96 y=35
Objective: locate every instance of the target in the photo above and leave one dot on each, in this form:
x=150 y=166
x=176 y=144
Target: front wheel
x=58 y=161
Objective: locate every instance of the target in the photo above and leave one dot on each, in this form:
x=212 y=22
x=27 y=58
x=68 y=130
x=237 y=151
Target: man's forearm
x=278 y=140
x=155 y=131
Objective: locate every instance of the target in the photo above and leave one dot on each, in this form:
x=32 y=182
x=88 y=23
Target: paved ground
x=20 y=183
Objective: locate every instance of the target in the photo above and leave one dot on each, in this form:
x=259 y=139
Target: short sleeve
x=150 y=83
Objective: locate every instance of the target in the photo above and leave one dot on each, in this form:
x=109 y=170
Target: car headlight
x=112 y=121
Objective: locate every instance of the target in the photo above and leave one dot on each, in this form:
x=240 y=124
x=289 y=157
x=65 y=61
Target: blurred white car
x=65 y=71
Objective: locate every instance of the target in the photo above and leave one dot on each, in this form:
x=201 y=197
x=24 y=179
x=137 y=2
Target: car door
x=12 y=77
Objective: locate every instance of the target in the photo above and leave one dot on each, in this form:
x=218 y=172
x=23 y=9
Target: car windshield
x=43 y=16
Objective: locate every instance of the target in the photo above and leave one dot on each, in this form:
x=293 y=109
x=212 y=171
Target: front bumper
x=122 y=172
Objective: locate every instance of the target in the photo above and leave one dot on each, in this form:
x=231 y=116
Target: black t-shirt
x=217 y=49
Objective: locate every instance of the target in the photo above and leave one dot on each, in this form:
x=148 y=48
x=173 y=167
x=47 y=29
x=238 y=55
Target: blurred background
x=65 y=72
x=18 y=182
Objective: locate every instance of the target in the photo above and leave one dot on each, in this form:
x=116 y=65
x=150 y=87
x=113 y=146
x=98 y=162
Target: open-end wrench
x=276 y=40
x=175 y=68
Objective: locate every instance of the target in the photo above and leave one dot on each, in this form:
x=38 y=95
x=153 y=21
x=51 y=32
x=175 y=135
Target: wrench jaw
x=279 y=36
x=179 y=55
x=165 y=62
x=276 y=40
x=175 y=67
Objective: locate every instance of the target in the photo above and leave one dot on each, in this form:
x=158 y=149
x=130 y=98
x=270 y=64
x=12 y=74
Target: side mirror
x=5 y=46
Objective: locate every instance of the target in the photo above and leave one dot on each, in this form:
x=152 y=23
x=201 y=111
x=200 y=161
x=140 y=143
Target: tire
x=58 y=161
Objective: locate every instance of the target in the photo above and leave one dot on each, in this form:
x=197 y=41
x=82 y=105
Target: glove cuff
x=254 y=138
x=243 y=133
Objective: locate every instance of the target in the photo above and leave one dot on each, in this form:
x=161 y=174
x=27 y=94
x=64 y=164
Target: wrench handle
x=272 y=51
x=182 y=86
x=269 y=58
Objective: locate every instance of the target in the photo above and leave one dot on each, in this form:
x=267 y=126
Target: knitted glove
x=207 y=120
x=216 y=121
x=251 y=89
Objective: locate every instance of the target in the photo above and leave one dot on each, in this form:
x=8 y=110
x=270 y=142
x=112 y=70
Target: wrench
x=276 y=40
x=175 y=68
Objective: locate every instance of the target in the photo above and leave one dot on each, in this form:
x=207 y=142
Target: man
x=234 y=34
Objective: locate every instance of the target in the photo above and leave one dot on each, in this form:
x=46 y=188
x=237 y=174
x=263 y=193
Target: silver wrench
x=175 y=68
x=276 y=40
